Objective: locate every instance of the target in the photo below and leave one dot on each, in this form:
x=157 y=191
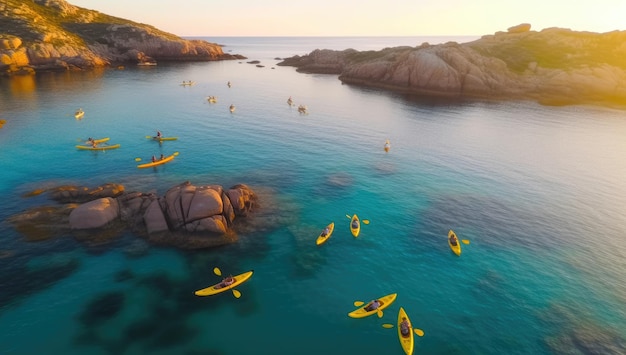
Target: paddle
x=218 y=272
x=465 y=241
x=137 y=159
x=417 y=331
x=365 y=221
x=176 y=154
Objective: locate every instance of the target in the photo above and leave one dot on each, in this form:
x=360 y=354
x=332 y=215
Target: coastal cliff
x=44 y=35
x=554 y=66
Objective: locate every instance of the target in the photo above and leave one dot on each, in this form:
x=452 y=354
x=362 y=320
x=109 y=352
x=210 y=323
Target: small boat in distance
x=147 y=64
x=232 y=108
x=212 y=99
x=290 y=101
x=302 y=109
x=188 y=83
x=79 y=114
x=387 y=145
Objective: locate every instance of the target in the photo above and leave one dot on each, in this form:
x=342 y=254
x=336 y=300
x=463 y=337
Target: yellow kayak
x=158 y=162
x=385 y=302
x=455 y=246
x=101 y=147
x=355 y=226
x=98 y=141
x=322 y=238
x=161 y=139
x=215 y=289
x=406 y=340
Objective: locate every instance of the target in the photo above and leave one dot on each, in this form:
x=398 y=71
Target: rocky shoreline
x=53 y=35
x=553 y=66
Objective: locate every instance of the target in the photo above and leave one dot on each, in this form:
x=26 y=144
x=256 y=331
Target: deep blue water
x=538 y=191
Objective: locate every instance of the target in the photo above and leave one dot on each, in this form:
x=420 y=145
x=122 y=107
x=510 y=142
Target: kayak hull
x=98 y=141
x=156 y=163
x=406 y=341
x=456 y=249
x=104 y=147
x=321 y=239
x=361 y=312
x=213 y=290
x=355 y=231
x=164 y=139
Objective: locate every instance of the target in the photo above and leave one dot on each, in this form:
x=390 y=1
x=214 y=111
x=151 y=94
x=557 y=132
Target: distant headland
x=554 y=66
x=45 y=35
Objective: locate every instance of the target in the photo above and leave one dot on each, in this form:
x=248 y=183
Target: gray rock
x=94 y=214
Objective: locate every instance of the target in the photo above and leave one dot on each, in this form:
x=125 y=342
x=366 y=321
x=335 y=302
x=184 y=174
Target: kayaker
x=453 y=240
x=153 y=158
x=325 y=232
x=374 y=304
x=162 y=157
x=159 y=135
x=93 y=143
x=226 y=281
x=355 y=223
x=405 y=327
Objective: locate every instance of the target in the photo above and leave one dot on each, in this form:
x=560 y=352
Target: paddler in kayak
x=226 y=282
x=374 y=304
x=355 y=223
x=405 y=327
x=159 y=135
x=325 y=232
x=453 y=240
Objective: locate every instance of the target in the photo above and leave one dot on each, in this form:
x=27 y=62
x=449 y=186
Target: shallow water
x=539 y=192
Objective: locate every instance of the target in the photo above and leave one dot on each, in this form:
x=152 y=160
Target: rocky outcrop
x=553 y=66
x=187 y=216
x=94 y=214
x=55 y=35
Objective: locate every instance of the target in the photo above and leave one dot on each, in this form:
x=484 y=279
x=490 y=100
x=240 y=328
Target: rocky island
x=187 y=216
x=44 y=35
x=554 y=66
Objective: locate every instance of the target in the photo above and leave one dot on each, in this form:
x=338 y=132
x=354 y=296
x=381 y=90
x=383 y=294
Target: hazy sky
x=362 y=17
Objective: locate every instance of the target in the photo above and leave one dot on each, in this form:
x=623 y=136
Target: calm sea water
x=538 y=191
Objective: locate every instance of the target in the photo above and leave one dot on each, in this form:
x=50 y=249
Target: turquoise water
x=539 y=192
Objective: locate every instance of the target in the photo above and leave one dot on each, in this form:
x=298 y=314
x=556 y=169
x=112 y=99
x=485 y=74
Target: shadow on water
x=19 y=279
x=163 y=298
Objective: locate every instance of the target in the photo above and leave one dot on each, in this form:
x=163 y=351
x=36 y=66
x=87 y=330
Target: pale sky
x=362 y=17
